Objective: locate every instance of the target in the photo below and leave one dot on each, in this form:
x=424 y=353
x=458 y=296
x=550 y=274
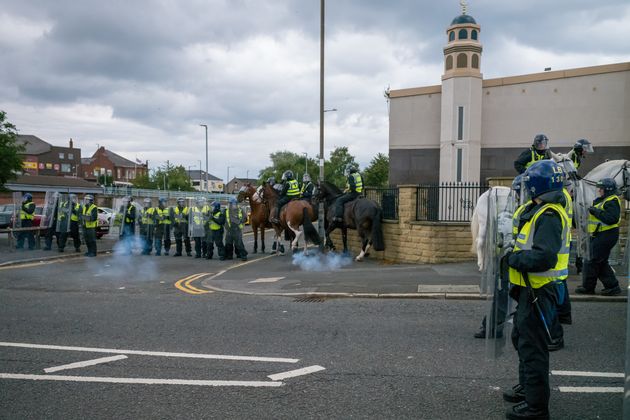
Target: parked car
x=6 y=213
x=104 y=220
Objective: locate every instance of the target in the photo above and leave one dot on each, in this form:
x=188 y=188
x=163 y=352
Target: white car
x=104 y=218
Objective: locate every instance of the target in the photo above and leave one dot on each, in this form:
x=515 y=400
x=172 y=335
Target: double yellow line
x=185 y=284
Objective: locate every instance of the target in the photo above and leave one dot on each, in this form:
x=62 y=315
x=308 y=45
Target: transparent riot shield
x=197 y=218
x=580 y=217
x=116 y=221
x=495 y=283
x=50 y=207
x=17 y=206
x=64 y=211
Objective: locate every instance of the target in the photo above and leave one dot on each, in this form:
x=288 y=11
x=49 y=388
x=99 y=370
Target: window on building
x=61 y=155
x=85 y=174
x=449 y=62
x=65 y=167
x=71 y=156
x=451 y=36
x=473 y=34
x=462 y=61
x=96 y=172
x=459 y=165
x=463 y=34
x=474 y=61
x=119 y=173
x=460 y=123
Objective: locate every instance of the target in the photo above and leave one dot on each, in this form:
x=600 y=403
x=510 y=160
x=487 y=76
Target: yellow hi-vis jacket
x=596 y=225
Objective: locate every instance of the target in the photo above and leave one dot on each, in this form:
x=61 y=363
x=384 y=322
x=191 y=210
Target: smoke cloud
x=316 y=261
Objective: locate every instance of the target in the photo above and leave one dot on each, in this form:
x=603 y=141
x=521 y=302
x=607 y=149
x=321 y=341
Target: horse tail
x=310 y=233
x=377 y=231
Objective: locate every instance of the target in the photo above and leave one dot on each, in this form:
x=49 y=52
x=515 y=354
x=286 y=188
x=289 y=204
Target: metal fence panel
x=448 y=202
x=387 y=198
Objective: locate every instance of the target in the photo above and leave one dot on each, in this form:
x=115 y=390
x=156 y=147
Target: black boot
x=515 y=395
x=524 y=411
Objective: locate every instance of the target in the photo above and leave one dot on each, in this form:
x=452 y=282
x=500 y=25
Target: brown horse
x=259 y=218
x=293 y=215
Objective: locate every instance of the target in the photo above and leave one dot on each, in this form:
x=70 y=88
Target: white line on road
x=294 y=373
x=585 y=373
x=146 y=381
x=85 y=363
x=266 y=280
x=591 y=389
x=152 y=353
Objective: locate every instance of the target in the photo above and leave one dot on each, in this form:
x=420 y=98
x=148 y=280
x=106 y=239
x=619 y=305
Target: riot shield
x=50 y=208
x=197 y=218
x=17 y=206
x=580 y=217
x=495 y=283
x=116 y=221
x=64 y=211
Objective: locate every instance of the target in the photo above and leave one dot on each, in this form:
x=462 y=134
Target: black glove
x=593 y=210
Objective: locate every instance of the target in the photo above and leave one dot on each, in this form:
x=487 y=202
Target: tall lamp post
x=227 y=179
x=321 y=216
x=206 y=127
x=305 y=161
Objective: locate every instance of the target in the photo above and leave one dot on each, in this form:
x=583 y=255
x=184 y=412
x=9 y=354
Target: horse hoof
x=358 y=259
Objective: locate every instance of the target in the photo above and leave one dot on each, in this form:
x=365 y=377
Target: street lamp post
x=227 y=179
x=305 y=161
x=206 y=127
x=321 y=216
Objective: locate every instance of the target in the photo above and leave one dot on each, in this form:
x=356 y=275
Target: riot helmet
x=200 y=201
x=73 y=198
x=233 y=203
x=27 y=197
x=608 y=185
x=89 y=198
x=540 y=142
x=162 y=202
x=216 y=206
x=544 y=176
x=287 y=175
x=147 y=202
x=583 y=147
x=306 y=178
x=271 y=180
x=181 y=201
x=350 y=168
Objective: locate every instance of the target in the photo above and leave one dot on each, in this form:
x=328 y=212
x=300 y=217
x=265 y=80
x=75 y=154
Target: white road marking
x=85 y=363
x=146 y=381
x=266 y=280
x=294 y=373
x=585 y=373
x=591 y=389
x=152 y=353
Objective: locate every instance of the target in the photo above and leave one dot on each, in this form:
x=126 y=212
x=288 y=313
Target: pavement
x=315 y=275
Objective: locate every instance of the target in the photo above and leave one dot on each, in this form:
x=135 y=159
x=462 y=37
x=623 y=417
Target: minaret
x=460 y=135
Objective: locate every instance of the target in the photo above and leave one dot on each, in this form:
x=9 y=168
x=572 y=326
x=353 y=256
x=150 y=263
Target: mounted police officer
x=147 y=226
x=354 y=188
x=538 y=151
x=580 y=150
x=89 y=217
x=162 y=227
x=128 y=224
x=290 y=191
x=27 y=214
x=306 y=192
x=540 y=258
x=603 y=226
x=179 y=219
x=216 y=220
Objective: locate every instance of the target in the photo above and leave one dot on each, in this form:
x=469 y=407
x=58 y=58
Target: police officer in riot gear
x=306 y=192
x=290 y=190
x=128 y=224
x=75 y=215
x=354 y=188
x=603 y=226
x=89 y=217
x=179 y=219
x=538 y=151
x=147 y=226
x=216 y=221
x=26 y=215
x=580 y=150
x=162 y=227
x=234 y=221
x=540 y=258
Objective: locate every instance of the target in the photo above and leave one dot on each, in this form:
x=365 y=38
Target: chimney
x=71 y=144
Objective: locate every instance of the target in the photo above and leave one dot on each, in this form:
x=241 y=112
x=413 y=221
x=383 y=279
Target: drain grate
x=310 y=299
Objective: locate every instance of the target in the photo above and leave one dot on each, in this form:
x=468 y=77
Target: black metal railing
x=387 y=198
x=448 y=202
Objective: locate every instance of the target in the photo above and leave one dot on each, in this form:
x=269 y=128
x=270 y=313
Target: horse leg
x=262 y=237
x=329 y=242
x=255 y=229
x=344 y=236
x=364 y=247
x=297 y=232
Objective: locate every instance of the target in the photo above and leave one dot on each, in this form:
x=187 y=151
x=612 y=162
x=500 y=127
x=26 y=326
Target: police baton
x=537 y=305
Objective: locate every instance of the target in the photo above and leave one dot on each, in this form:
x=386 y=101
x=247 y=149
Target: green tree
x=285 y=160
x=170 y=177
x=105 y=180
x=377 y=172
x=333 y=168
x=144 y=181
x=10 y=161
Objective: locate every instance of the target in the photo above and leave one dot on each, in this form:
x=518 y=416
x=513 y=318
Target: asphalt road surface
x=145 y=337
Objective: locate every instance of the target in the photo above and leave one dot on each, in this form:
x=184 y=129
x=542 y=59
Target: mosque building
x=469 y=128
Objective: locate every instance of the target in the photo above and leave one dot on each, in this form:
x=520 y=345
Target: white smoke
x=316 y=261
x=124 y=267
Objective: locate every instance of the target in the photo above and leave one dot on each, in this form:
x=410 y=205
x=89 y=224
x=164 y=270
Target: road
x=128 y=343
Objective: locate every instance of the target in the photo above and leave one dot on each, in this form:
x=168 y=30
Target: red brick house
x=106 y=162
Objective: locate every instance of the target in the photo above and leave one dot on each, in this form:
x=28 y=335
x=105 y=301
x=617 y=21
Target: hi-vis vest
x=294 y=188
x=63 y=205
x=240 y=217
x=596 y=225
x=162 y=216
x=535 y=158
x=576 y=160
x=199 y=215
x=517 y=216
x=358 y=182
x=76 y=211
x=128 y=217
x=181 y=216
x=24 y=215
x=304 y=187
x=569 y=205
x=524 y=242
x=147 y=216
x=214 y=225
x=87 y=216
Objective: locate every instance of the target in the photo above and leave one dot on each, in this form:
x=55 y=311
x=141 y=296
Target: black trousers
x=530 y=340
x=182 y=238
x=234 y=240
x=215 y=238
x=341 y=202
x=597 y=267
x=201 y=246
x=90 y=240
x=162 y=233
x=146 y=236
x=49 y=237
x=30 y=237
x=75 y=235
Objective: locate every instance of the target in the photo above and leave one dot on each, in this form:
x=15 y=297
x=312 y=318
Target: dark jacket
x=547 y=237
x=610 y=213
x=526 y=156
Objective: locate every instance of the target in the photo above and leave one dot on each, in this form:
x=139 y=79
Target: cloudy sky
x=138 y=77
